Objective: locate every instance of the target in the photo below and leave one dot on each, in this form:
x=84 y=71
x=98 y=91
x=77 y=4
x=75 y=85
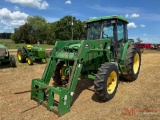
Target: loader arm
x=65 y=93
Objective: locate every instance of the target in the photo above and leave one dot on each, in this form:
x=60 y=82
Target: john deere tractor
x=5 y=57
x=104 y=56
x=30 y=54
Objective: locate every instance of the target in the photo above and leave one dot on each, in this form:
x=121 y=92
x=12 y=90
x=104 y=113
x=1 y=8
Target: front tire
x=106 y=81
x=12 y=61
x=30 y=60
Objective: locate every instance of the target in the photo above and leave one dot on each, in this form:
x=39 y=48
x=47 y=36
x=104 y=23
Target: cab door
x=121 y=36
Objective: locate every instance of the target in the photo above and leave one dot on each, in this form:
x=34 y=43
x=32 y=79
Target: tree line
x=5 y=35
x=37 y=29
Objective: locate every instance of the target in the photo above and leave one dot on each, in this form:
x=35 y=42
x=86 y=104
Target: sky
x=143 y=15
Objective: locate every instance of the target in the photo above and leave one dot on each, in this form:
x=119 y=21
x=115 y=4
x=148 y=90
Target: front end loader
x=104 y=56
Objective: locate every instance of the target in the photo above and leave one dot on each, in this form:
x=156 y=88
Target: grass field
x=11 y=45
x=138 y=100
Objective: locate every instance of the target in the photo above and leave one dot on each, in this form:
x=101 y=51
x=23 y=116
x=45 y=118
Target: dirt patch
x=136 y=100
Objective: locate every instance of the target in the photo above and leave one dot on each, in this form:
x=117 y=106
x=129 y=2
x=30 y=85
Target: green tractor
x=5 y=57
x=104 y=56
x=30 y=54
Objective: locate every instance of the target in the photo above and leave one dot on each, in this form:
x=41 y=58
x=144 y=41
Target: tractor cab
x=114 y=27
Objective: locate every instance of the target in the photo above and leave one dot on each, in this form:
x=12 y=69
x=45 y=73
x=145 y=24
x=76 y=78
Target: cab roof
x=107 y=18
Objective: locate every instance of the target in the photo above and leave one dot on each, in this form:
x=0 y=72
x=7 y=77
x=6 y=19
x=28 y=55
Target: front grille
x=71 y=50
x=2 y=52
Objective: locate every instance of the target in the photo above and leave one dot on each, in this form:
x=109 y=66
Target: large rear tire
x=106 y=81
x=21 y=55
x=132 y=63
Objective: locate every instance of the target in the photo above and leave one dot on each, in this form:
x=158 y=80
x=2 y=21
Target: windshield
x=107 y=31
x=99 y=30
x=94 y=30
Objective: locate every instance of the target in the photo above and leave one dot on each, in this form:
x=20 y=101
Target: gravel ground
x=138 y=100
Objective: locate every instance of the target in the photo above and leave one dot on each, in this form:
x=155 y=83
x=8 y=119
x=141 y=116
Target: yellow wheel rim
x=47 y=59
x=111 y=82
x=19 y=56
x=62 y=72
x=136 y=63
x=29 y=61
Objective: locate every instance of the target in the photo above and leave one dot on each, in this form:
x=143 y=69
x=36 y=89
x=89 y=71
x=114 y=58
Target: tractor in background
x=5 y=57
x=104 y=56
x=31 y=54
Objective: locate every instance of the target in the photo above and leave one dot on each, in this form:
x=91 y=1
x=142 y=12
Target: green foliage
x=16 y=37
x=37 y=29
x=50 y=33
x=5 y=35
x=64 y=28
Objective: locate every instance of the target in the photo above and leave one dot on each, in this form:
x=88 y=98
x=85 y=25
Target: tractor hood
x=38 y=49
x=73 y=47
x=2 y=46
x=69 y=51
